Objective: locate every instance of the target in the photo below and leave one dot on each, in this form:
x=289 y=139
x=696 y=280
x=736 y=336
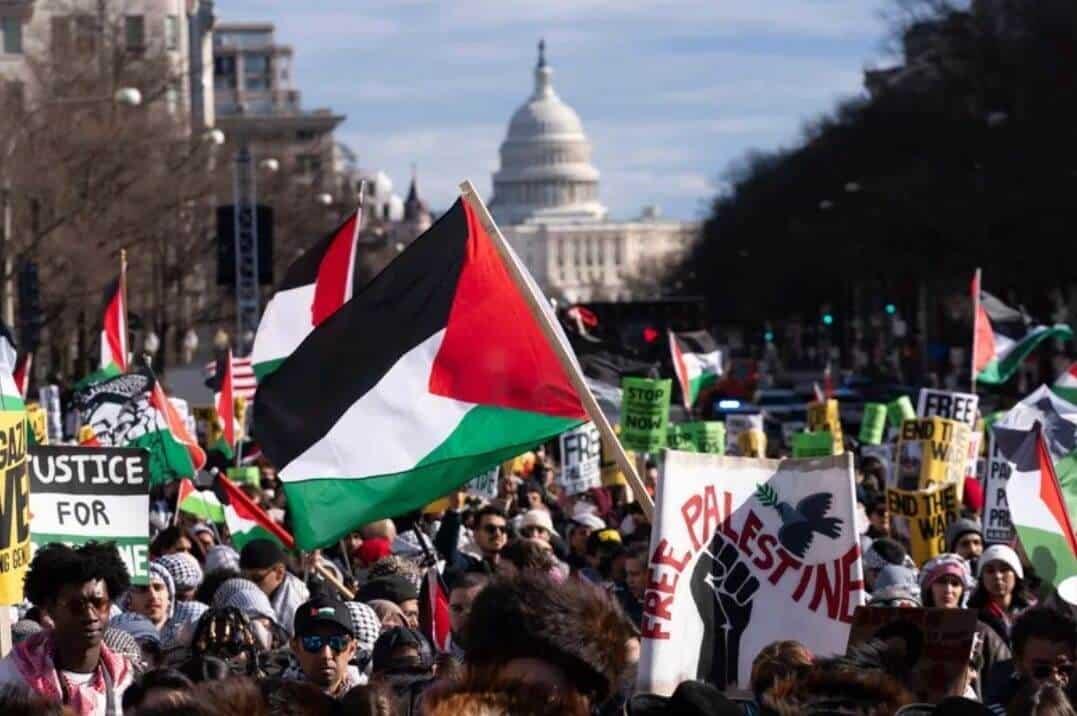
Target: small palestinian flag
x=11 y=397
x=1066 y=385
x=247 y=521
x=1004 y=336
x=1039 y=513
x=434 y=372
x=203 y=504
x=696 y=361
x=21 y=375
x=225 y=402
x=114 y=329
x=316 y=285
x=434 y=611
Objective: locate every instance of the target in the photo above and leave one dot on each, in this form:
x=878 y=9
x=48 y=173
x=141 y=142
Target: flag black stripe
x=304 y=270
x=348 y=354
x=696 y=342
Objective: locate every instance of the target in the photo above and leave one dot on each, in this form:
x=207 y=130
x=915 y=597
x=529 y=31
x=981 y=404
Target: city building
x=546 y=200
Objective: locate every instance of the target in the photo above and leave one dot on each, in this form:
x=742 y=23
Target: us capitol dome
x=545 y=200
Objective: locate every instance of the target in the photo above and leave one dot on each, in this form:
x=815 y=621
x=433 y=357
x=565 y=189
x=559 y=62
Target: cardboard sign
x=932 y=450
x=735 y=425
x=14 y=506
x=581 y=452
x=900 y=410
x=996 y=517
x=245 y=475
x=752 y=443
x=825 y=416
x=745 y=552
x=807 y=444
x=929 y=512
x=80 y=494
x=961 y=407
x=703 y=436
x=873 y=424
x=938 y=644
x=644 y=413
x=484 y=485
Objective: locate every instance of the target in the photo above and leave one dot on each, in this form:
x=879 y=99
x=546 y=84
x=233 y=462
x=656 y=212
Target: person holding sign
x=70 y=662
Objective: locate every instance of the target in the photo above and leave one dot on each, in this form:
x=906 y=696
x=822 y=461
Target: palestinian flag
x=22 y=373
x=247 y=521
x=11 y=397
x=114 y=329
x=132 y=410
x=1066 y=385
x=1004 y=336
x=225 y=402
x=315 y=286
x=1039 y=513
x=431 y=374
x=434 y=611
x=696 y=361
x=200 y=503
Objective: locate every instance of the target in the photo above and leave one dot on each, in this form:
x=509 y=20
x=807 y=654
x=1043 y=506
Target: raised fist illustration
x=722 y=588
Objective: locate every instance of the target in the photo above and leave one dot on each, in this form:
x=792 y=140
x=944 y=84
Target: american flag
x=243 y=382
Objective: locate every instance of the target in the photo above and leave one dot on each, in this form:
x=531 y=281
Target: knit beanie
x=184 y=568
x=944 y=564
x=895 y=575
x=961 y=527
x=1000 y=553
x=245 y=596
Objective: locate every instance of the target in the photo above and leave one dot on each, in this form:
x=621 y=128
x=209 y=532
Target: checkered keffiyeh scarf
x=366 y=627
x=180 y=627
x=185 y=570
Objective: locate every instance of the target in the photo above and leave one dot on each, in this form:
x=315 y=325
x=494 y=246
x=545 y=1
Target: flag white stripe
x=1027 y=509
x=286 y=324
x=390 y=429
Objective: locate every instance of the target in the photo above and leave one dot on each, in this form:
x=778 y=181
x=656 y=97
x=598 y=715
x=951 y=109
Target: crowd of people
x=545 y=594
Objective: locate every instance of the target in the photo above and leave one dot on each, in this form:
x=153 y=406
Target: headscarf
x=184 y=568
x=366 y=626
x=221 y=556
x=947 y=563
x=33 y=660
x=245 y=596
x=182 y=623
x=386 y=610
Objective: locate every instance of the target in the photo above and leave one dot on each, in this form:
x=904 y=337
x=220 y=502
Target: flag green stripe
x=202 y=508
x=998 y=371
x=1068 y=394
x=325 y=509
x=1049 y=553
x=698 y=384
x=261 y=370
x=11 y=403
x=239 y=539
x=169 y=459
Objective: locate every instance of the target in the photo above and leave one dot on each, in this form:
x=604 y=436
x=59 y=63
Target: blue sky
x=670 y=92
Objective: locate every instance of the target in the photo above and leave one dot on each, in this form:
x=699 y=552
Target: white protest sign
x=78 y=494
x=996 y=517
x=484 y=485
x=581 y=457
x=736 y=425
x=961 y=407
x=745 y=552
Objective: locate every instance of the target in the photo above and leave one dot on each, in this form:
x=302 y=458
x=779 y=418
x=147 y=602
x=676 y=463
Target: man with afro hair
x=70 y=662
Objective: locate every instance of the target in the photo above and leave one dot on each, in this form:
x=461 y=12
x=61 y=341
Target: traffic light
x=768 y=336
x=31 y=317
x=828 y=319
x=890 y=309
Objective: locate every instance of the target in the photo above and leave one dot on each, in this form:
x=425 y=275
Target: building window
x=255 y=71
x=308 y=164
x=134 y=33
x=171 y=32
x=12 y=30
x=85 y=34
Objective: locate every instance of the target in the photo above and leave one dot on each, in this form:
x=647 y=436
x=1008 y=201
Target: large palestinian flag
x=431 y=374
x=696 y=361
x=1004 y=336
x=315 y=286
x=1039 y=512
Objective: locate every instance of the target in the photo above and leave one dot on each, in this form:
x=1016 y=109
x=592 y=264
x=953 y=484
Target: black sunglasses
x=313 y=643
x=495 y=529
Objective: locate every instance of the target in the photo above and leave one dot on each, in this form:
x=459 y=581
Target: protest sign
x=961 y=407
x=807 y=444
x=644 y=413
x=938 y=645
x=14 y=506
x=737 y=424
x=900 y=410
x=78 y=494
x=39 y=431
x=932 y=450
x=929 y=512
x=484 y=485
x=745 y=552
x=873 y=424
x=996 y=518
x=824 y=415
x=581 y=452
x=703 y=436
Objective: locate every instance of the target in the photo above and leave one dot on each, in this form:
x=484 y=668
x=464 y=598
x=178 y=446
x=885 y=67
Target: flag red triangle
x=226 y=403
x=1051 y=493
x=336 y=272
x=983 y=338
x=186 y=487
x=114 y=329
x=248 y=510
x=22 y=373
x=434 y=611
x=494 y=352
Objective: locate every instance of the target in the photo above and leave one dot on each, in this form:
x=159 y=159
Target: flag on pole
x=22 y=373
x=203 y=504
x=243 y=381
x=696 y=361
x=315 y=286
x=225 y=402
x=434 y=611
x=1039 y=513
x=114 y=329
x=1004 y=336
x=247 y=521
x=1066 y=385
x=439 y=370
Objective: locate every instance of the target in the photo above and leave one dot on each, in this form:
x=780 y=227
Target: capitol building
x=546 y=201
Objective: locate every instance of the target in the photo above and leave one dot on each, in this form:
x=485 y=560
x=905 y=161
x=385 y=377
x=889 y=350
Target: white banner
x=746 y=552
x=996 y=517
x=484 y=485
x=581 y=457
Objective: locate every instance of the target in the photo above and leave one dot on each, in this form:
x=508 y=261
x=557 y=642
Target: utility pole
x=245 y=200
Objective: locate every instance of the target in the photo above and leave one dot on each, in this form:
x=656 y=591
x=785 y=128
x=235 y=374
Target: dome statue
x=546 y=173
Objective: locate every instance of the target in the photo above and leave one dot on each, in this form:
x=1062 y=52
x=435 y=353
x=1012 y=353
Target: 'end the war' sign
x=80 y=494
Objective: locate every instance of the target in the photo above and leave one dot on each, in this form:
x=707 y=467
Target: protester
x=155 y=600
x=324 y=646
x=462 y=596
x=69 y=663
x=895 y=586
x=490 y=534
x=262 y=561
x=404 y=662
x=388 y=613
x=776 y=662
x=398 y=590
x=1044 y=652
x=186 y=574
x=1000 y=595
x=158 y=687
x=630 y=592
x=883 y=552
x=965 y=537
x=536 y=524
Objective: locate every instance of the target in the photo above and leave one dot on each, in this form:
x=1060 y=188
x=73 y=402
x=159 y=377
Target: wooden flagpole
x=123 y=297
x=536 y=303
x=975 y=318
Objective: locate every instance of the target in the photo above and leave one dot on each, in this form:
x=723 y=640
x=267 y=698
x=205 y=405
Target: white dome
x=546 y=173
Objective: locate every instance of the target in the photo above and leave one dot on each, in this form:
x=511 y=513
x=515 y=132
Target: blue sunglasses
x=314 y=643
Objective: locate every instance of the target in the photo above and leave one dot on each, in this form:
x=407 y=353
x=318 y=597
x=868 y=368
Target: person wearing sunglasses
x=70 y=663
x=323 y=645
x=1044 y=652
x=490 y=535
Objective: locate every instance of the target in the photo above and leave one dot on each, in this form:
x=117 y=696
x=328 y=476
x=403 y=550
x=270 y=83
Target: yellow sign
x=929 y=513
x=14 y=506
x=931 y=451
x=824 y=416
x=752 y=443
x=36 y=417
